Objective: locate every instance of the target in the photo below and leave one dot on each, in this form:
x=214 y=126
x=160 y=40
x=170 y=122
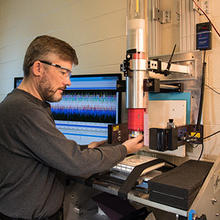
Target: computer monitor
x=88 y=106
x=17 y=81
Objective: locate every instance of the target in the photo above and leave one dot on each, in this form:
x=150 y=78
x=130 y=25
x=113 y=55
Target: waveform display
x=87 y=106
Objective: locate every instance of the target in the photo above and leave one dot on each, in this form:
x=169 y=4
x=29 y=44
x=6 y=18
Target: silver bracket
x=163 y=17
x=158 y=66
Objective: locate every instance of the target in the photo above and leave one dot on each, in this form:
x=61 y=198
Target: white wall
x=211 y=108
x=96 y=29
x=212 y=100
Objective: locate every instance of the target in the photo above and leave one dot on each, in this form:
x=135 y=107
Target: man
x=33 y=152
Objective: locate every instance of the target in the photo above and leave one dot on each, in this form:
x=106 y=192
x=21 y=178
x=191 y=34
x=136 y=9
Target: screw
x=213 y=201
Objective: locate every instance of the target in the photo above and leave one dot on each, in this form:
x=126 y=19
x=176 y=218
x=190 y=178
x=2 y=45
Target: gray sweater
x=32 y=154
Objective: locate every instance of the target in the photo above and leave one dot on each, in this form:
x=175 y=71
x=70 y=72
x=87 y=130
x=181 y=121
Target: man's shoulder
x=19 y=103
x=16 y=99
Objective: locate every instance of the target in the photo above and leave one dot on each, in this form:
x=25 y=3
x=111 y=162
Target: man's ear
x=37 y=68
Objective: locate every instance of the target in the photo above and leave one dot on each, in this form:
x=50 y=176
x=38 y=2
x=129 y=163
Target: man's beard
x=47 y=92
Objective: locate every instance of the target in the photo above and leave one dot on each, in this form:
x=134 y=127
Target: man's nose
x=68 y=82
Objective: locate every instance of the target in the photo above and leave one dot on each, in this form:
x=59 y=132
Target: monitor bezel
x=15 y=81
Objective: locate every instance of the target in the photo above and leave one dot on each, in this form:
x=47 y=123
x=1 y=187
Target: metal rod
x=168 y=86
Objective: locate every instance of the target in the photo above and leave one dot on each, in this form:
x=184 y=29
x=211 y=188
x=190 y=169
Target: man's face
x=54 y=79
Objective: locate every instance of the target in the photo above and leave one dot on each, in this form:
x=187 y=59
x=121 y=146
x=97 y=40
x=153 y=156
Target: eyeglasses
x=67 y=72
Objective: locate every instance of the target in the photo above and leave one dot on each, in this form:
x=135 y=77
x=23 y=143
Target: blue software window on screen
x=88 y=106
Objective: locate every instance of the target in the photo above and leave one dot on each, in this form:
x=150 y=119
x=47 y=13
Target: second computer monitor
x=88 y=106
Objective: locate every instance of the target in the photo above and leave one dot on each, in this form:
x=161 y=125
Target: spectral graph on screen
x=87 y=106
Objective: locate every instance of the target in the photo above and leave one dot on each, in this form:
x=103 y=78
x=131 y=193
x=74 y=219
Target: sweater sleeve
x=44 y=142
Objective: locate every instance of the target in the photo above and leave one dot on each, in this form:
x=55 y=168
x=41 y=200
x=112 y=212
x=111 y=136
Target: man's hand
x=134 y=144
x=96 y=144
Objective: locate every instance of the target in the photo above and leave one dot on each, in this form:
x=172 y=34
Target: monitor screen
x=88 y=106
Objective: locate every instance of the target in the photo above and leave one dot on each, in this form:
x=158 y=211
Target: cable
x=203 y=143
x=211 y=135
x=191 y=144
x=201 y=93
x=203 y=83
x=199 y=139
x=207 y=17
x=212 y=89
x=171 y=57
x=201 y=152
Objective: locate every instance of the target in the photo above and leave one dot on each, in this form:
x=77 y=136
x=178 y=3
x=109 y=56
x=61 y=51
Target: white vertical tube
x=136 y=47
x=158 y=32
x=183 y=25
x=154 y=43
x=136 y=33
x=192 y=27
x=187 y=26
x=136 y=98
x=150 y=29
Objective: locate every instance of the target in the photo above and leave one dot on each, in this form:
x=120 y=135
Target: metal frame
x=191 y=81
x=206 y=202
